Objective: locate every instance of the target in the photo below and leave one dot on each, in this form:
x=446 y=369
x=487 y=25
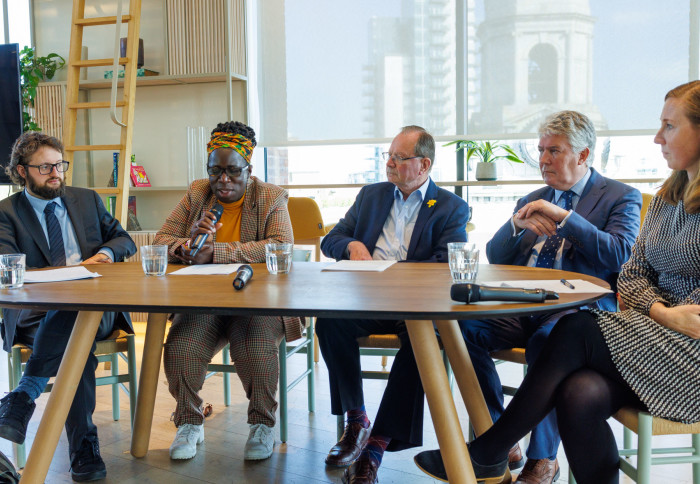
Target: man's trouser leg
x=48 y=345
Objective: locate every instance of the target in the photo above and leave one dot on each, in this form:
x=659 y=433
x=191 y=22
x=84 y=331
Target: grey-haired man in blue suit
x=580 y=222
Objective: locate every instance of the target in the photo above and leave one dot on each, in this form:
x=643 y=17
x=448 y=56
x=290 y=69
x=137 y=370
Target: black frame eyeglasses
x=231 y=171
x=386 y=156
x=47 y=168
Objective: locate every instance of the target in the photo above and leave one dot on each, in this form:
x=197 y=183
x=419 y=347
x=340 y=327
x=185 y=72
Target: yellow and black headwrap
x=236 y=142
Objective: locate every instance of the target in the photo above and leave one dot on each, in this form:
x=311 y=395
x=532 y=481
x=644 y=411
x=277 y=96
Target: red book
x=139 y=177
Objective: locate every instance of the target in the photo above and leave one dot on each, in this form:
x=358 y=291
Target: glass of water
x=154 y=259
x=12 y=270
x=464 y=262
x=278 y=258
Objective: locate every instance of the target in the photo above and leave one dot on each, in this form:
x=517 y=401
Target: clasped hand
x=540 y=216
x=205 y=225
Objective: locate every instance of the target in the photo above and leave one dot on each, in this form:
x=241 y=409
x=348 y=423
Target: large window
x=358 y=70
x=335 y=82
x=15 y=28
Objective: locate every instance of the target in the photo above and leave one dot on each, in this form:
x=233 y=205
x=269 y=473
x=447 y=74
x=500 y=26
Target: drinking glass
x=278 y=258
x=154 y=259
x=464 y=262
x=12 y=270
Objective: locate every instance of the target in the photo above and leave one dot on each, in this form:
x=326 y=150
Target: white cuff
x=563 y=222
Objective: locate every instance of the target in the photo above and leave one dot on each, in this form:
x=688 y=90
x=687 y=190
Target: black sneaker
x=86 y=464
x=8 y=473
x=16 y=408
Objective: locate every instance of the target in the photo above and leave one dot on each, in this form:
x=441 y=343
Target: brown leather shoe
x=362 y=471
x=348 y=449
x=539 y=471
x=515 y=457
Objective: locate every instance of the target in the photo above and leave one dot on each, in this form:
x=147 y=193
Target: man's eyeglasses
x=231 y=171
x=47 y=168
x=386 y=156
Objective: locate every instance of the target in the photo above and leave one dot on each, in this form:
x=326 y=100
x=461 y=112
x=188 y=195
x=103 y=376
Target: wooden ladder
x=75 y=63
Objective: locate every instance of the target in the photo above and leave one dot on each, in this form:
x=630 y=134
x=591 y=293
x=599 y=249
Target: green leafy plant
x=486 y=151
x=34 y=70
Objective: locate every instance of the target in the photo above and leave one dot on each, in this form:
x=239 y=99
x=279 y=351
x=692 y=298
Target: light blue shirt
x=559 y=201
x=70 y=240
x=395 y=238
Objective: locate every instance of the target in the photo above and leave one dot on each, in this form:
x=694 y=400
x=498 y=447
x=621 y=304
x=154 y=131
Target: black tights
x=575 y=375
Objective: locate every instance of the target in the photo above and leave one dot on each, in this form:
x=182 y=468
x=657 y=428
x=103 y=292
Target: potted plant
x=34 y=70
x=487 y=152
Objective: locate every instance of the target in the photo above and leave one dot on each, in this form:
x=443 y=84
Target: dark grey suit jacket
x=21 y=232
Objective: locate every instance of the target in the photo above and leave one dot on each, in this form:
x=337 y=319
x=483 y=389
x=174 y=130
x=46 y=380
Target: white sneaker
x=261 y=441
x=185 y=444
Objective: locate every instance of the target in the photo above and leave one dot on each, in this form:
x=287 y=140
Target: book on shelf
x=114 y=176
x=132 y=223
x=139 y=178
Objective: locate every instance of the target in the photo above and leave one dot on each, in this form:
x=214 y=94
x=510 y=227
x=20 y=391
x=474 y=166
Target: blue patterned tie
x=551 y=245
x=58 y=252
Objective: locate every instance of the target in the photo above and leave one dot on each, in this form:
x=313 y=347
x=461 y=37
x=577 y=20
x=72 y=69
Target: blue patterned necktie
x=551 y=245
x=56 y=248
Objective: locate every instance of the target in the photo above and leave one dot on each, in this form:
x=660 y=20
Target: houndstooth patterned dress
x=661 y=365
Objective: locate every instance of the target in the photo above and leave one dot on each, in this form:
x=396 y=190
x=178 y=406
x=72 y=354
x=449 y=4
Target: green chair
x=118 y=345
x=645 y=426
x=285 y=351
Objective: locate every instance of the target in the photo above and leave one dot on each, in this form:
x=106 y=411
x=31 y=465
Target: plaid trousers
x=193 y=341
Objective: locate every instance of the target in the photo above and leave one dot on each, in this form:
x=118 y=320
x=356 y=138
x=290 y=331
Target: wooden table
x=418 y=293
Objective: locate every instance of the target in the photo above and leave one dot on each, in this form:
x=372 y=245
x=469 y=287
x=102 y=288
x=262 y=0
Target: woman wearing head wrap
x=254 y=214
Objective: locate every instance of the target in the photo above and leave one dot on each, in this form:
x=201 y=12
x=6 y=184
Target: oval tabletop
x=403 y=291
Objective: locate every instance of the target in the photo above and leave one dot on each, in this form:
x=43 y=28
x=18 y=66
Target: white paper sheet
x=580 y=286
x=360 y=265
x=206 y=269
x=56 y=275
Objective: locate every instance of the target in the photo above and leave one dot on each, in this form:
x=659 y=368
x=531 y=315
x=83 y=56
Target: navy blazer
x=21 y=232
x=438 y=223
x=598 y=235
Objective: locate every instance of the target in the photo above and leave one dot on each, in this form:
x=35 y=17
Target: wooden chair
x=118 y=345
x=645 y=426
x=307 y=224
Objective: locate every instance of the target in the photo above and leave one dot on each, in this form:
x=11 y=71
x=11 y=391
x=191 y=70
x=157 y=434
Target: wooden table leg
x=442 y=407
x=148 y=383
x=61 y=396
x=456 y=349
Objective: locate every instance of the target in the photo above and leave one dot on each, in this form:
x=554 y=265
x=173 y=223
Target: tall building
x=411 y=75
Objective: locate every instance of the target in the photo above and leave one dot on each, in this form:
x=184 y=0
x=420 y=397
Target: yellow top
x=230 y=231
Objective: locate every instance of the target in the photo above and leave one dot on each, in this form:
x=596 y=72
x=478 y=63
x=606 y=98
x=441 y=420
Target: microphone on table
x=245 y=272
x=470 y=293
x=217 y=210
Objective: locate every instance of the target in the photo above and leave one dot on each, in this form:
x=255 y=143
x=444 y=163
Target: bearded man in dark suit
x=55 y=225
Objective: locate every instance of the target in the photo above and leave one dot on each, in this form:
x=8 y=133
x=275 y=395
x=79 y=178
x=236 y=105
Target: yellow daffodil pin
x=431 y=203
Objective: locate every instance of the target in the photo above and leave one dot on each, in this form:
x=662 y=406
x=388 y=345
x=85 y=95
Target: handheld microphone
x=245 y=272
x=470 y=293
x=217 y=210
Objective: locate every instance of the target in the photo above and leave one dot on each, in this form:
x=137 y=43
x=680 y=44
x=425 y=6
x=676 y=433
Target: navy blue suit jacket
x=21 y=232
x=445 y=221
x=598 y=236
